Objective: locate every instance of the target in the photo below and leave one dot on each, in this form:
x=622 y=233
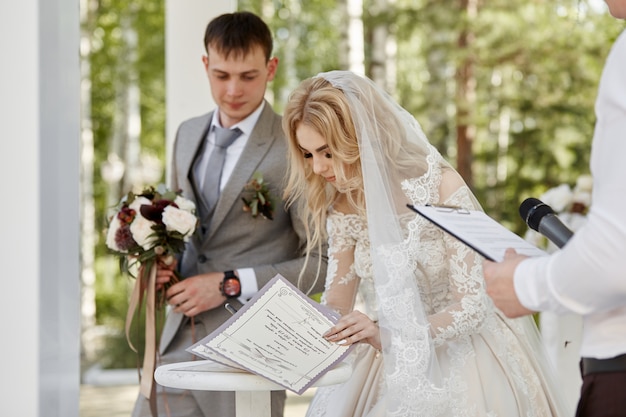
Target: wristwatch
x=230 y=287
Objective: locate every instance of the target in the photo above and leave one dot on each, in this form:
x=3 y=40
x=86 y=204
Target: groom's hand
x=196 y=294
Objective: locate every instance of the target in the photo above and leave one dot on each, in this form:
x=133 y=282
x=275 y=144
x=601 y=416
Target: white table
x=252 y=392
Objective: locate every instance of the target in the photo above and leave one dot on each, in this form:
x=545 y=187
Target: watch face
x=231 y=287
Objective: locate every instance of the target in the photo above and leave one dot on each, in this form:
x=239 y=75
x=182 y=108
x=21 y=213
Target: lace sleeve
x=341 y=280
x=464 y=304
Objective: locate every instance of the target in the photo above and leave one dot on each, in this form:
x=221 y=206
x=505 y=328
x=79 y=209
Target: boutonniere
x=260 y=200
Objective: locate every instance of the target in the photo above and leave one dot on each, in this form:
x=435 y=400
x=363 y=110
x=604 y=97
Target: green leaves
x=260 y=200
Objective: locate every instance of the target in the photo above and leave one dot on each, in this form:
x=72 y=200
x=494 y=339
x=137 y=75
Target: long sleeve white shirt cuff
x=532 y=288
x=249 y=286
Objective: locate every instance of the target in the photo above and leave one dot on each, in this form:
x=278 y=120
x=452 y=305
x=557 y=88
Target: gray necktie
x=213 y=174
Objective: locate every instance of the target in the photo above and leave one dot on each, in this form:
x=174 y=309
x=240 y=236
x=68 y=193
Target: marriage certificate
x=277 y=335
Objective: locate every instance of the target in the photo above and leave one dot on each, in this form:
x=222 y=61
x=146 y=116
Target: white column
x=39 y=111
x=187 y=88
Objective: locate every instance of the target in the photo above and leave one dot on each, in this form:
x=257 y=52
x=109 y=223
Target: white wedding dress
x=488 y=366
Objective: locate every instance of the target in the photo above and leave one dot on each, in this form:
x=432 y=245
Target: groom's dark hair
x=238 y=33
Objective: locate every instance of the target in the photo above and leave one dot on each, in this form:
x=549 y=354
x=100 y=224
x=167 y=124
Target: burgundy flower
x=578 y=207
x=124 y=238
x=126 y=215
x=154 y=212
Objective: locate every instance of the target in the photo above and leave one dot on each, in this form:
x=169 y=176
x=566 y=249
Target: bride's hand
x=352 y=328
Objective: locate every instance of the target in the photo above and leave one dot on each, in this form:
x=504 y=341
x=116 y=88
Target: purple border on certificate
x=277 y=335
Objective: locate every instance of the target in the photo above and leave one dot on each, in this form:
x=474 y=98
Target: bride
x=431 y=342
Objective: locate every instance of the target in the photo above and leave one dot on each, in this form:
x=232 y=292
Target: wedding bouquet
x=151 y=227
x=147 y=230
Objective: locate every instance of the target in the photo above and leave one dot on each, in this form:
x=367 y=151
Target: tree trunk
x=87 y=208
x=267 y=11
x=351 y=46
x=383 y=51
x=466 y=94
x=131 y=117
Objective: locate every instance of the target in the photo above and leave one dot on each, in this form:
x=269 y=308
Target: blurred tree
x=525 y=103
x=124 y=69
x=380 y=45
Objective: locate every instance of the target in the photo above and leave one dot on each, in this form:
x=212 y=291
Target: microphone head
x=532 y=210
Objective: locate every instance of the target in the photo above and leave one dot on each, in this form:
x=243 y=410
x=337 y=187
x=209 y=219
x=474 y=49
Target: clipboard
x=477 y=230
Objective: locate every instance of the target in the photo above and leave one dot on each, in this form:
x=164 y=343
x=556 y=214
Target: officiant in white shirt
x=588 y=276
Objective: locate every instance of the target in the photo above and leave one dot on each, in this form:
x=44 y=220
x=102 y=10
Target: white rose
x=141 y=228
x=138 y=202
x=584 y=183
x=113 y=228
x=558 y=197
x=582 y=197
x=179 y=220
x=185 y=204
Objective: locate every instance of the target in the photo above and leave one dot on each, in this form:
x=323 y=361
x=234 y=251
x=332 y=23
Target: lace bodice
x=449 y=278
x=448 y=273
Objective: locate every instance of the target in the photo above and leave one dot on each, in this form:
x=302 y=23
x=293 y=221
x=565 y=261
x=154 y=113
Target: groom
x=233 y=253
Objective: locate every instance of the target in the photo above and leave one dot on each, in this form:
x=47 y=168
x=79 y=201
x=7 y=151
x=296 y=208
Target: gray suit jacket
x=236 y=239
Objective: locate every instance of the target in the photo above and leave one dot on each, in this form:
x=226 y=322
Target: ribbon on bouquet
x=145 y=283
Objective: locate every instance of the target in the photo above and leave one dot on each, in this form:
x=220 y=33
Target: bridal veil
x=412 y=265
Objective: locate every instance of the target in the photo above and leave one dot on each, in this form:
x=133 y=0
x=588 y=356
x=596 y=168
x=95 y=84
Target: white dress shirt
x=588 y=276
x=247 y=277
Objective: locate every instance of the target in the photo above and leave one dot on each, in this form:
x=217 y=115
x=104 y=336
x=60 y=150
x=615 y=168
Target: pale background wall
x=39 y=113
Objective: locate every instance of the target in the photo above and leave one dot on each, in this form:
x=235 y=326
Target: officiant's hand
x=196 y=294
x=354 y=327
x=501 y=286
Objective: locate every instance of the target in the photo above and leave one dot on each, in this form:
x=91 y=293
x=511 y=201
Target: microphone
x=540 y=217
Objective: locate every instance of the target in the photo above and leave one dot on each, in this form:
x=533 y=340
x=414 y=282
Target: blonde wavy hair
x=320 y=105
